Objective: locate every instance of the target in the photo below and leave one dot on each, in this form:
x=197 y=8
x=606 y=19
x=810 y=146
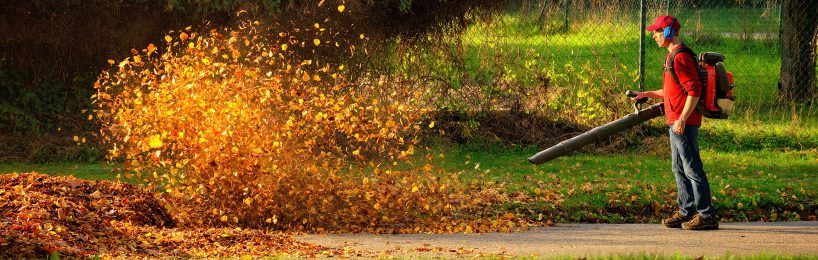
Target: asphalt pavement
x=589 y=240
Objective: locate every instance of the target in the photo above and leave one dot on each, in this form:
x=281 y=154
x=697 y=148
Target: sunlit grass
x=95 y=171
x=746 y=185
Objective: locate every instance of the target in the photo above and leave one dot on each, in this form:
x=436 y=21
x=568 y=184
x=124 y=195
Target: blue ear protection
x=669 y=31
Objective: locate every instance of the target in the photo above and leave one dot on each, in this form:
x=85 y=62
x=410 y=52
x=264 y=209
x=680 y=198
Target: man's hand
x=639 y=95
x=679 y=127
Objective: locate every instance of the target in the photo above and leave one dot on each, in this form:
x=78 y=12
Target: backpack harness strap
x=670 y=68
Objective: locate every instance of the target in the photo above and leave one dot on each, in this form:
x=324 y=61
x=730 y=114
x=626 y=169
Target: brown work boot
x=676 y=220
x=701 y=223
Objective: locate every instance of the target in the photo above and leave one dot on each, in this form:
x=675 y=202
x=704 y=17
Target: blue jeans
x=691 y=182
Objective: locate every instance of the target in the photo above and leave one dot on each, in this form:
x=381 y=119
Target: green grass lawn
x=95 y=171
x=632 y=187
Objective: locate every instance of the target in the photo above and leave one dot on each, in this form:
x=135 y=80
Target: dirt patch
x=505 y=127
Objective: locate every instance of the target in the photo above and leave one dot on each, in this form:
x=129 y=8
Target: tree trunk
x=798 y=45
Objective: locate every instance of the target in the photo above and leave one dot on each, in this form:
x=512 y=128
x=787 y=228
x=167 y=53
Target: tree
x=798 y=45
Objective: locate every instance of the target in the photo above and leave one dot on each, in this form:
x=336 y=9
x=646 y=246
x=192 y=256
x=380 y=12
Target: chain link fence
x=573 y=60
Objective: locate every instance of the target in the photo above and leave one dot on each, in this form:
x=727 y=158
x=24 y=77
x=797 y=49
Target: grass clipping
x=236 y=133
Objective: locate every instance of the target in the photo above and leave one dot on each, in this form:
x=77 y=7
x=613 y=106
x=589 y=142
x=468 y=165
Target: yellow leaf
x=356 y=152
x=341 y=67
x=341 y=8
x=432 y=124
x=155 y=141
x=284 y=47
x=361 y=36
x=317 y=25
x=123 y=63
x=248 y=201
x=206 y=61
x=90 y=117
x=427 y=168
x=415 y=189
x=224 y=218
x=111 y=62
x=168 y=38
x=76 y=138
x=137 y=58
x=96 y=194
x=316 y=42
x=377 y=206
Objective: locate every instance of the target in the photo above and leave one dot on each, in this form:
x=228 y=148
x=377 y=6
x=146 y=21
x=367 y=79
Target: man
x=695 y=209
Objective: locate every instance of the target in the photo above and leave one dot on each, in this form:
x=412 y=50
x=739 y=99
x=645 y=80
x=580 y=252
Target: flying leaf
x=155 y=141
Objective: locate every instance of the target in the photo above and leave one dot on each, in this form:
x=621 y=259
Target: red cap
x=664 y=21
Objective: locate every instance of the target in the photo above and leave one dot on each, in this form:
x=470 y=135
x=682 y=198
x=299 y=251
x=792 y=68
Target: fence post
x=565 y=10
x=641 y=45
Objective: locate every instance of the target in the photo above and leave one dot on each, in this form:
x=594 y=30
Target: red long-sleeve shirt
x=675 y=98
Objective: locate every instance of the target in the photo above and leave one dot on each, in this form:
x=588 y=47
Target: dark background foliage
x=53 y=50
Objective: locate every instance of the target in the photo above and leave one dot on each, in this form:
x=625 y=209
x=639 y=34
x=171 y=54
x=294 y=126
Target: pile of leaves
x=42 y=215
